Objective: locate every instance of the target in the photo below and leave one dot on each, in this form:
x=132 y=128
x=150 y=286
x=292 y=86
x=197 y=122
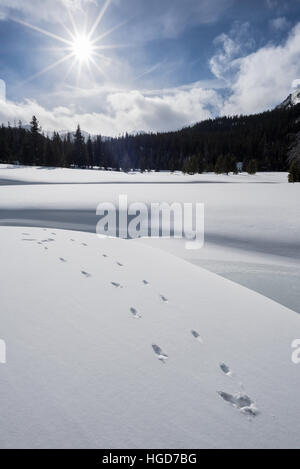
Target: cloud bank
x=122 y=111
x=265 y=77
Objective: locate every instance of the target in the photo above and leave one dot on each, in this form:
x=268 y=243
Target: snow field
x=111 y=344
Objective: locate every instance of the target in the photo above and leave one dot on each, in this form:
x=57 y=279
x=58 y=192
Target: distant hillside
x=263 y=140
x=265 y=137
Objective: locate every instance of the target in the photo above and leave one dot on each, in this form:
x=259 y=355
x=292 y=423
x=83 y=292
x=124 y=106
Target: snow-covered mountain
x=291 y=100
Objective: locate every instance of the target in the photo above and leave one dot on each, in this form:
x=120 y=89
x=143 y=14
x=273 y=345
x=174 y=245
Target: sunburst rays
x=80 y=45
x=99 y=18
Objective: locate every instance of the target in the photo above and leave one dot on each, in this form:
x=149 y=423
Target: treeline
x=263 y=142
x=31 y=147
x=259 y=141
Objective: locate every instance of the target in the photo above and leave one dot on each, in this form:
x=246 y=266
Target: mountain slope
x=292 y=100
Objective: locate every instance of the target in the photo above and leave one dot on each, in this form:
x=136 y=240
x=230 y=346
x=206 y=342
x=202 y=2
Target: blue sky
x=165 y=64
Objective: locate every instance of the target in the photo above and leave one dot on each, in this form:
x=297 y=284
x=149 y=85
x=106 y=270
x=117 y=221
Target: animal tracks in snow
x=197 y=336
x=240 y=401
x=226 y=370
x=135 y=314
x=86 y=274
x=116 y=285
x=159 y=353
x=164 y=299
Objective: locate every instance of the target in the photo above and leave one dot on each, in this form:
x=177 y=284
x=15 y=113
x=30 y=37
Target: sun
x=82 y=48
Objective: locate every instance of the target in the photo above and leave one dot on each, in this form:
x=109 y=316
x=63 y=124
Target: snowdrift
x=114 y=344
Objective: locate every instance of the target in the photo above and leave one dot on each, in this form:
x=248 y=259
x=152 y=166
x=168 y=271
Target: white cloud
x=124 y=111
x=263 y=78
x=280 y=24
x=222 y=61
x=230 y=48
x=2 y=90
x=295 y=84
x=163 y=112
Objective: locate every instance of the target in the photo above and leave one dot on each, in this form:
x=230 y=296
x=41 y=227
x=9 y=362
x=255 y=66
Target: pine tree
x=68 y=150
x=98 y=152
x=252 y=167
x=48 y=158
x=294 y=174
x=36 y=148
x=194 y=165
x=225 y=164
x=219 y=167
x=143 y=164
x=90 y=153
x=5 y=154
x=80 y=153
x=125 y=163
x=35 y=127
x=58 y=150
